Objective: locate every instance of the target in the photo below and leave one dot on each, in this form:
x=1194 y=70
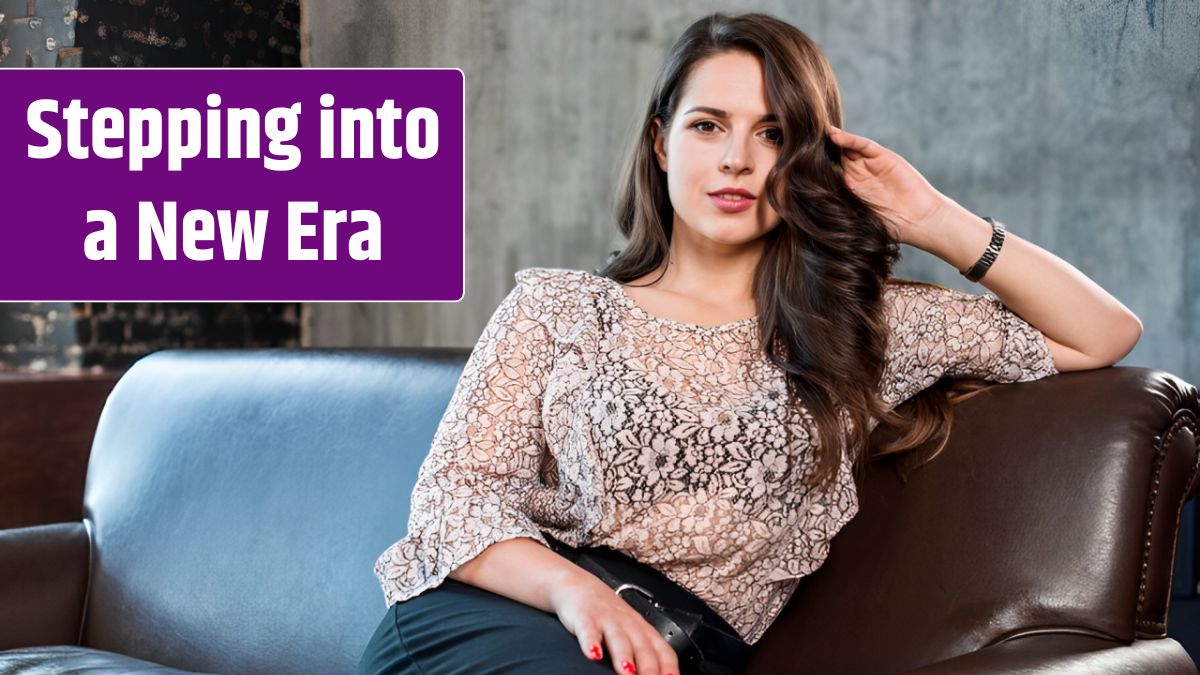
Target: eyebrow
x=717 y=112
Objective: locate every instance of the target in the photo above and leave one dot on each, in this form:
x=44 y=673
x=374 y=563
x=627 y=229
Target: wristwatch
x=976 y=271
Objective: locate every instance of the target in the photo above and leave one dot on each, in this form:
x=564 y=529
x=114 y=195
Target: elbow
x=1124 y=338
x=1133 y=332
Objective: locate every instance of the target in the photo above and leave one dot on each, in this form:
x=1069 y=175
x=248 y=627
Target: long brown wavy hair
x=820 y=282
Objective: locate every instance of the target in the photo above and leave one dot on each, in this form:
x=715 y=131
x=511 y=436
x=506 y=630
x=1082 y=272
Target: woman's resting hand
x=597 y=616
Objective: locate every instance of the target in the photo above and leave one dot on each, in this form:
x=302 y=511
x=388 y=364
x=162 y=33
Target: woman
x=673 y=407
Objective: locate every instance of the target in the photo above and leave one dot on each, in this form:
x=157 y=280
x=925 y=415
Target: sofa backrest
x=238 y=501
x=1054 y=508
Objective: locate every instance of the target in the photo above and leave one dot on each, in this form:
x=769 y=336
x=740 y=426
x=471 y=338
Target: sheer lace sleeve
x=937 y=331
x=485 y=455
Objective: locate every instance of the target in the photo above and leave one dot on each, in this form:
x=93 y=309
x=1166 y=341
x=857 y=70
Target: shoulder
x=909 y=299
x=905 y=300
x=558 y=296
x=900 y=290
x=559 y=277
x=558 y=284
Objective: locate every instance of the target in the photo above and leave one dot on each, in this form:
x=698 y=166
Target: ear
x=660 y=150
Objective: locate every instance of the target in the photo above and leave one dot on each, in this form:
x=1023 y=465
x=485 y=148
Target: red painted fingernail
x=596 y=653
x=628 y=667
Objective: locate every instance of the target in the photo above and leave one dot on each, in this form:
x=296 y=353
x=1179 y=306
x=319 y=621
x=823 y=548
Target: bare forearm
x=522 y=569
x=1045 y=290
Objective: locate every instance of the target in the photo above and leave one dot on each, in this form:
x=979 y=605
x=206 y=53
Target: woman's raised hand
x=601 y=620
x=883 y=178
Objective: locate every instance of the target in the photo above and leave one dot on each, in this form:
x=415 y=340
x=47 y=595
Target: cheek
x=768 y=214
x=692 y=166
x=687 y=187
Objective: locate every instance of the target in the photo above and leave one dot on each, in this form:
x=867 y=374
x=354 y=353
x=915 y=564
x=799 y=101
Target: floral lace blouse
x=580 y=414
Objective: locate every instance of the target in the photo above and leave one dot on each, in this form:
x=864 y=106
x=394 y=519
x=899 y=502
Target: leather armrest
x=1064 y=653
x=43 y=583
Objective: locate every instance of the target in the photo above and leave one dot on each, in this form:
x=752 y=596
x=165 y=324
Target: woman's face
x=717 y=141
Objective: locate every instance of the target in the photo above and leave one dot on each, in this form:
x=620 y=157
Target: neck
x=723 y=273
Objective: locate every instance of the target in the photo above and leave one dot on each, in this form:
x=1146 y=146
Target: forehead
x=731 y=81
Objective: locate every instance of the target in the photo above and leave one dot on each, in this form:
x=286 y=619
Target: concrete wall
x=1074 y=123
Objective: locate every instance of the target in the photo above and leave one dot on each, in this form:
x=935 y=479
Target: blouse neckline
x=637 y=310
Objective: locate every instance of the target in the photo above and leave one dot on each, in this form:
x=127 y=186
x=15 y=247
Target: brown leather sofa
x=236 y=501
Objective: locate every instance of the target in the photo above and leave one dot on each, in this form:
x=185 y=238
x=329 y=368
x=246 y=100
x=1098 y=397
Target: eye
x=778 y=135
x=703 y=122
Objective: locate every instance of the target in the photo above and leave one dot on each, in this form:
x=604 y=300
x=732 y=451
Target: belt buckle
x=639 y=589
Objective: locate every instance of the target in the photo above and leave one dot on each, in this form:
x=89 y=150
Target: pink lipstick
x=731 y=205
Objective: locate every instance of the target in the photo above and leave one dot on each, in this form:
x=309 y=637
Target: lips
x=731 y=205
x=732 y=191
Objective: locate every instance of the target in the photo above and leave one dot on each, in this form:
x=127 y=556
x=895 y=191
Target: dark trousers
x=459 y=628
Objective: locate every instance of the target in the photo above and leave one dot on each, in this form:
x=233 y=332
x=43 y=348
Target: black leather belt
x=695 y=641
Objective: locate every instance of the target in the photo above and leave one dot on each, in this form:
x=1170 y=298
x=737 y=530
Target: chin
x=732 y=236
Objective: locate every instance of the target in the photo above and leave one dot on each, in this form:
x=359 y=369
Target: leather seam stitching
x=1183 y=420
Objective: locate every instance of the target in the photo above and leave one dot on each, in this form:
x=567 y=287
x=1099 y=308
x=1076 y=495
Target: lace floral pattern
x=582 y=415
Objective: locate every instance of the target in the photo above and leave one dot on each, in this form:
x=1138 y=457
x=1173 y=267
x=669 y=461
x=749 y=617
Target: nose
x=737 y=158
